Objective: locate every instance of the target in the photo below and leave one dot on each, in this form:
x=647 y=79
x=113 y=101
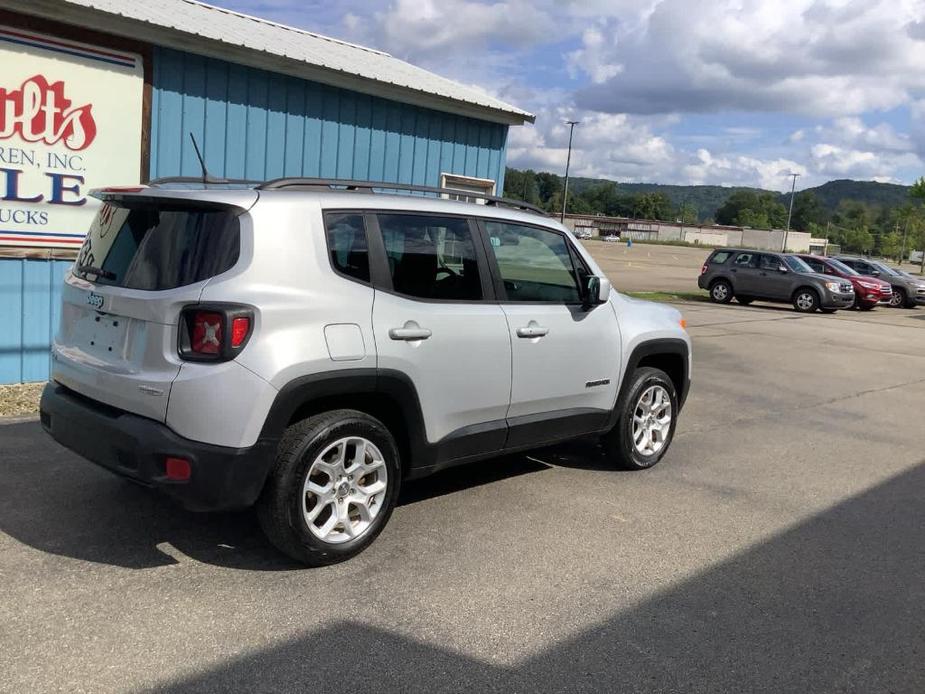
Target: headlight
x=869 y=285
x=832 y=286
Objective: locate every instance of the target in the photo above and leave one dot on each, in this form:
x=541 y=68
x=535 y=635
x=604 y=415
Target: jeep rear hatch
x=145 y=258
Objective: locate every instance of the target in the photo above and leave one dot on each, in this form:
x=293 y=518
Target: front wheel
x=898 y=299
x=647 y=414
x=332 y=489
x=805 y=300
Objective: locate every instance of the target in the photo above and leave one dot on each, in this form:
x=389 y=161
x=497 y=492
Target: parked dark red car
x=868 y=291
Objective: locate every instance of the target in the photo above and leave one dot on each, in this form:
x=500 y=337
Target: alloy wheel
x=344 y=490
x=652 y=420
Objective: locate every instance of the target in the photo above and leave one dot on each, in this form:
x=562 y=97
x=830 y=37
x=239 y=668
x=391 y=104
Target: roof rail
x=207 y=181
x=372 y=186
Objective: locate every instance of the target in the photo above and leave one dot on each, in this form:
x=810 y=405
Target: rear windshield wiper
x=98 y=271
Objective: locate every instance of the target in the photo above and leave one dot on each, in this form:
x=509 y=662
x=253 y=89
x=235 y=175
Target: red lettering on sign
x=39 y=112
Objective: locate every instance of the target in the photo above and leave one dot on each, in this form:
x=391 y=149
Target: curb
x=18 y=419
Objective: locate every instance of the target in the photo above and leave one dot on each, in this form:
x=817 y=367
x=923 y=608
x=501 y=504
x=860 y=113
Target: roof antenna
x=206 y=176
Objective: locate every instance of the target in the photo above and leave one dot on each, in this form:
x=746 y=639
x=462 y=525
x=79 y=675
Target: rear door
x=744 y=274
x=566 y=357
x=142 y=261
x=435 y=321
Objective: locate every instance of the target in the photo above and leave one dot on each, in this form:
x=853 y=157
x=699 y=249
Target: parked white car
x=307 y=349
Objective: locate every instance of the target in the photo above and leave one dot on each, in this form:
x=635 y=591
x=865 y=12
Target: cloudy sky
x=736 y=92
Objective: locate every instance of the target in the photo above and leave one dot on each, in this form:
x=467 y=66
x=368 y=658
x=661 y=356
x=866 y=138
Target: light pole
x=568 y=161
x=790 y=212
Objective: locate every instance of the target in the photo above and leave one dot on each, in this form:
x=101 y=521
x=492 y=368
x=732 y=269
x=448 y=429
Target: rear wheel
x=721 y=292
x=332 y=488
x=647 y=414
x=805 y=300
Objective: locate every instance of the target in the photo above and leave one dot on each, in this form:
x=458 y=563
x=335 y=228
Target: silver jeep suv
x=307 y=346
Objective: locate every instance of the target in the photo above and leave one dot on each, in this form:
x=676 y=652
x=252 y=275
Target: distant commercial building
x=698 y=234
x=105 y=92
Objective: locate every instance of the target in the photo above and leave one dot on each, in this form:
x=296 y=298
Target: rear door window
x=746 y=260
x=159 y=245
x=720 y=257
x=431 y=257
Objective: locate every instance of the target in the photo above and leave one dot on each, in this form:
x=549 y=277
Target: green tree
x=806 y=211
x=652 y=206
x=752 y=209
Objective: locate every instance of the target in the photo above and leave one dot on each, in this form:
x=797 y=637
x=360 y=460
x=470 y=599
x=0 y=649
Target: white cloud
x=799 y=56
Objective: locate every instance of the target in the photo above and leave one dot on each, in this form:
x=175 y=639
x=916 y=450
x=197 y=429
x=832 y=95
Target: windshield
x=797 y=264
x=842 y=268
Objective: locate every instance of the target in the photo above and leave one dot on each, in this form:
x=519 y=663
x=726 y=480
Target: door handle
x=532 y=330
x=410 y=332
x=733 y=270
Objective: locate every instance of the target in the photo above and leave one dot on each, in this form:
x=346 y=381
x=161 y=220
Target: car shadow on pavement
x=834 y=604
x=55 y=502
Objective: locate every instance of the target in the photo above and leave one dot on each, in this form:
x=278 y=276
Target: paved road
x=780 y=546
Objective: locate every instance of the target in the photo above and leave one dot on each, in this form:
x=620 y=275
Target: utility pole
x=790 y=212
x=568 y=161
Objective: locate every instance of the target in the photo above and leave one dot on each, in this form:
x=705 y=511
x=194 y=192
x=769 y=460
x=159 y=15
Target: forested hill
x=871 y=193
x=704 y=201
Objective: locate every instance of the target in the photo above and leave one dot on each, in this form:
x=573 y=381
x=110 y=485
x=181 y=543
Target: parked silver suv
x=307 y=346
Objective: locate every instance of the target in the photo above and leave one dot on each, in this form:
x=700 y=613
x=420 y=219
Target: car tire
x=626 y=444
x=744 y=300
x=898 y=300
x=865 y=307
x=721 y=292
x=317 y=454
x=805 y=300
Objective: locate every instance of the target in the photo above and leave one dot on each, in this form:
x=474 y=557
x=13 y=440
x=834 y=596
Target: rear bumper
x=136 y=447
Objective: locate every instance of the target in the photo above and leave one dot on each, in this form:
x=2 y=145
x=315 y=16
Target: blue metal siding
x=30 y=308
x=257 y=124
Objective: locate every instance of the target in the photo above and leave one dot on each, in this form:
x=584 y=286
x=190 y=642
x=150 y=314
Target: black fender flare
x=654 y=348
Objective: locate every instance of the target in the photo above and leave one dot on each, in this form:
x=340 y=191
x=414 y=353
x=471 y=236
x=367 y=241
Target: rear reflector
x=240 y=327
x=177 y=469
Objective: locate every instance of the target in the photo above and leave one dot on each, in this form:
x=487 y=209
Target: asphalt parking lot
x=780 y=546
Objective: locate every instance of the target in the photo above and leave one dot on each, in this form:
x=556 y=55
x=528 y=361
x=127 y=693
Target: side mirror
x=597 y=291
x=783 y=268
x=875 y=273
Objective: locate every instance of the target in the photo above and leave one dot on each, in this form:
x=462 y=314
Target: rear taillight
x=208 y=331
x=704 y=269
x=217 y=332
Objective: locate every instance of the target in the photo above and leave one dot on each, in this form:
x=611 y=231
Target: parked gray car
x=749 y=275
x=908 y=291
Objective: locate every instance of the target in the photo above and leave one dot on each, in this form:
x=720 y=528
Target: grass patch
x=669 y=297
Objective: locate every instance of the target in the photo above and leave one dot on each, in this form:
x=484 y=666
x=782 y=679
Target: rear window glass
x=720 y=257
x=157 y=246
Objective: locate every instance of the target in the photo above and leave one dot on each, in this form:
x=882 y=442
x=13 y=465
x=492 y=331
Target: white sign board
x=70 y=120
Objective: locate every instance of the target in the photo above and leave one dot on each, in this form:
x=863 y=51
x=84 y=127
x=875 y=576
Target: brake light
x=208 y=329
x=240 y=327
x=704 y=269
x=214 y=332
